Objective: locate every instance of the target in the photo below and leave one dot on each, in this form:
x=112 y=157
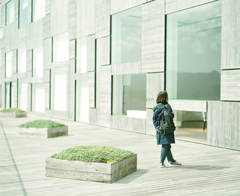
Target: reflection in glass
x=8 y=64
x=60 y=47
x=38 y=7
x=129 y=95
x=97 y=83
x=191 y=125
x=8 y=97
x=38 y=62
x=82 y=55
x=22 y=94
x=38 y=97
x=10 y=12
x=127 y=36
x=59 y=88
x=194 y=53
x=23 y=13
x=82 y=103
x=22 y=60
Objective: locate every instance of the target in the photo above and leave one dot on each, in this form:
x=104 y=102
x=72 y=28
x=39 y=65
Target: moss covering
x=12 y=110
x=100 y=154
x=41 y=124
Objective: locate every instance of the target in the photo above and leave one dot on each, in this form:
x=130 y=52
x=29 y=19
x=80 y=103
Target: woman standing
x=164 y=140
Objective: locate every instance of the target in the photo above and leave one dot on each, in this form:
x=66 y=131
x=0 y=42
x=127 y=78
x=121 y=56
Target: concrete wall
x=92 y=19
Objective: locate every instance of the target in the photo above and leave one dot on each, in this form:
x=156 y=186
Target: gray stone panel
x=71 y=91
x=59 y=16
x=2 y=15
x=35 y=34
x=150 y=130
x=127 y=68
x=11 y=36
x=230 y=84
x=14 y=61
x=102 y=23
x=47 y=96
x=16 y=10
x=117 y=6
x=91 y=53
x=188 y=105
x=29 y=97
x=47 y=6
x=47 y=52
x=230 y=45
x=22 y=37
x=46 y=26
x=46 y=75
x=29 y=11
x=72 y=49
x=105 y=96
x=56 y=114
x=153 y=36
x=103 y=45
x=91 y=84
x=29 y=60
x=94 y=116
x=72 y=19
x=177 y=5
x=81 y=76
x=155 y=84
x=14 y=95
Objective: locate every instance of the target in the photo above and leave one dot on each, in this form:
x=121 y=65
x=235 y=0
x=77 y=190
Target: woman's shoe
x=162 y=165
x=175 y=163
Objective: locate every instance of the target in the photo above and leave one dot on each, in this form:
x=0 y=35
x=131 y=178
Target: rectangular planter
x=91 y=171
x=42 y=132
x=13 y=114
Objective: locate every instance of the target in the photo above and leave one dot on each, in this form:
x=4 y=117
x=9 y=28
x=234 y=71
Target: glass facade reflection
x=38 y=9
x=82 y=55
x=191 y=125
x=38 y=97
x=38 y=62
x=193 y=55
x=22 y=60
x=60 y=48
x=9 y=12
x=23 y=13
x=22 y=94
x=8 y=65
x=59 y=89
x=129 y=95
x=8 y=96
x=127 y=36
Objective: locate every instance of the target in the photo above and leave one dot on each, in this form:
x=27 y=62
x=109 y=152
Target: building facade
x=103 y=62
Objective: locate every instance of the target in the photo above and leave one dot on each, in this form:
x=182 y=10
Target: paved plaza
x=206 y=170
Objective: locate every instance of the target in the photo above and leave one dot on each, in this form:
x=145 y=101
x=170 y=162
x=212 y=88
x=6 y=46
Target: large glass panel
x=82 y=103
x=23 y=13
x=9 y=12
x=82 y=55
x=38 y=9
x=22 y=94
x=8 y=64
x=60 y=47
x=38 y=62
x=97 y=82
x=129 y=95
x=127 y=36
x=38 y=97
x=59 y=88
x=191 y=125
x=194 y=53
x=22 y=60
x=8 y=90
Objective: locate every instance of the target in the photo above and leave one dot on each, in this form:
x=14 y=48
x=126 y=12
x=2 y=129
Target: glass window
x=60 y=47
x=129 y=95
x=22 y=94
x=82 y=55
x=191 y=125
x=82 y=103
x=23 y=13
x=8 y=97
x=194 y=53
x=9 y=65
x=38 y=9
x=59 y=88
x=38 y=62
x=127 y=36
x=97 y=79
x=22 y=60
x=9 y=12
x=38 y=97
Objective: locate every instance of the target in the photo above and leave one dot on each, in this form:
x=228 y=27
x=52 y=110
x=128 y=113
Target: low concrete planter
x=13 y=114
x=91 y=171
x=42 y=132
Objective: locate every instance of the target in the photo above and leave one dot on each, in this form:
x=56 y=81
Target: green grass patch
x=100 y=154
x=41 y=124
x=12 y=110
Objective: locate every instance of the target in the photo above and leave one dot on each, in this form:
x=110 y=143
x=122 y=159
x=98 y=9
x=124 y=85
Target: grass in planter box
x=41 y=124
x=100 y=154
x=12 y=110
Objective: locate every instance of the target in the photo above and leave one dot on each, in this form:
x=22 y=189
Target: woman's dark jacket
x=161 y=138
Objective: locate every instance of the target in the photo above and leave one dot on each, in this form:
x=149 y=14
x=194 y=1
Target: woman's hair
x=162 y=97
